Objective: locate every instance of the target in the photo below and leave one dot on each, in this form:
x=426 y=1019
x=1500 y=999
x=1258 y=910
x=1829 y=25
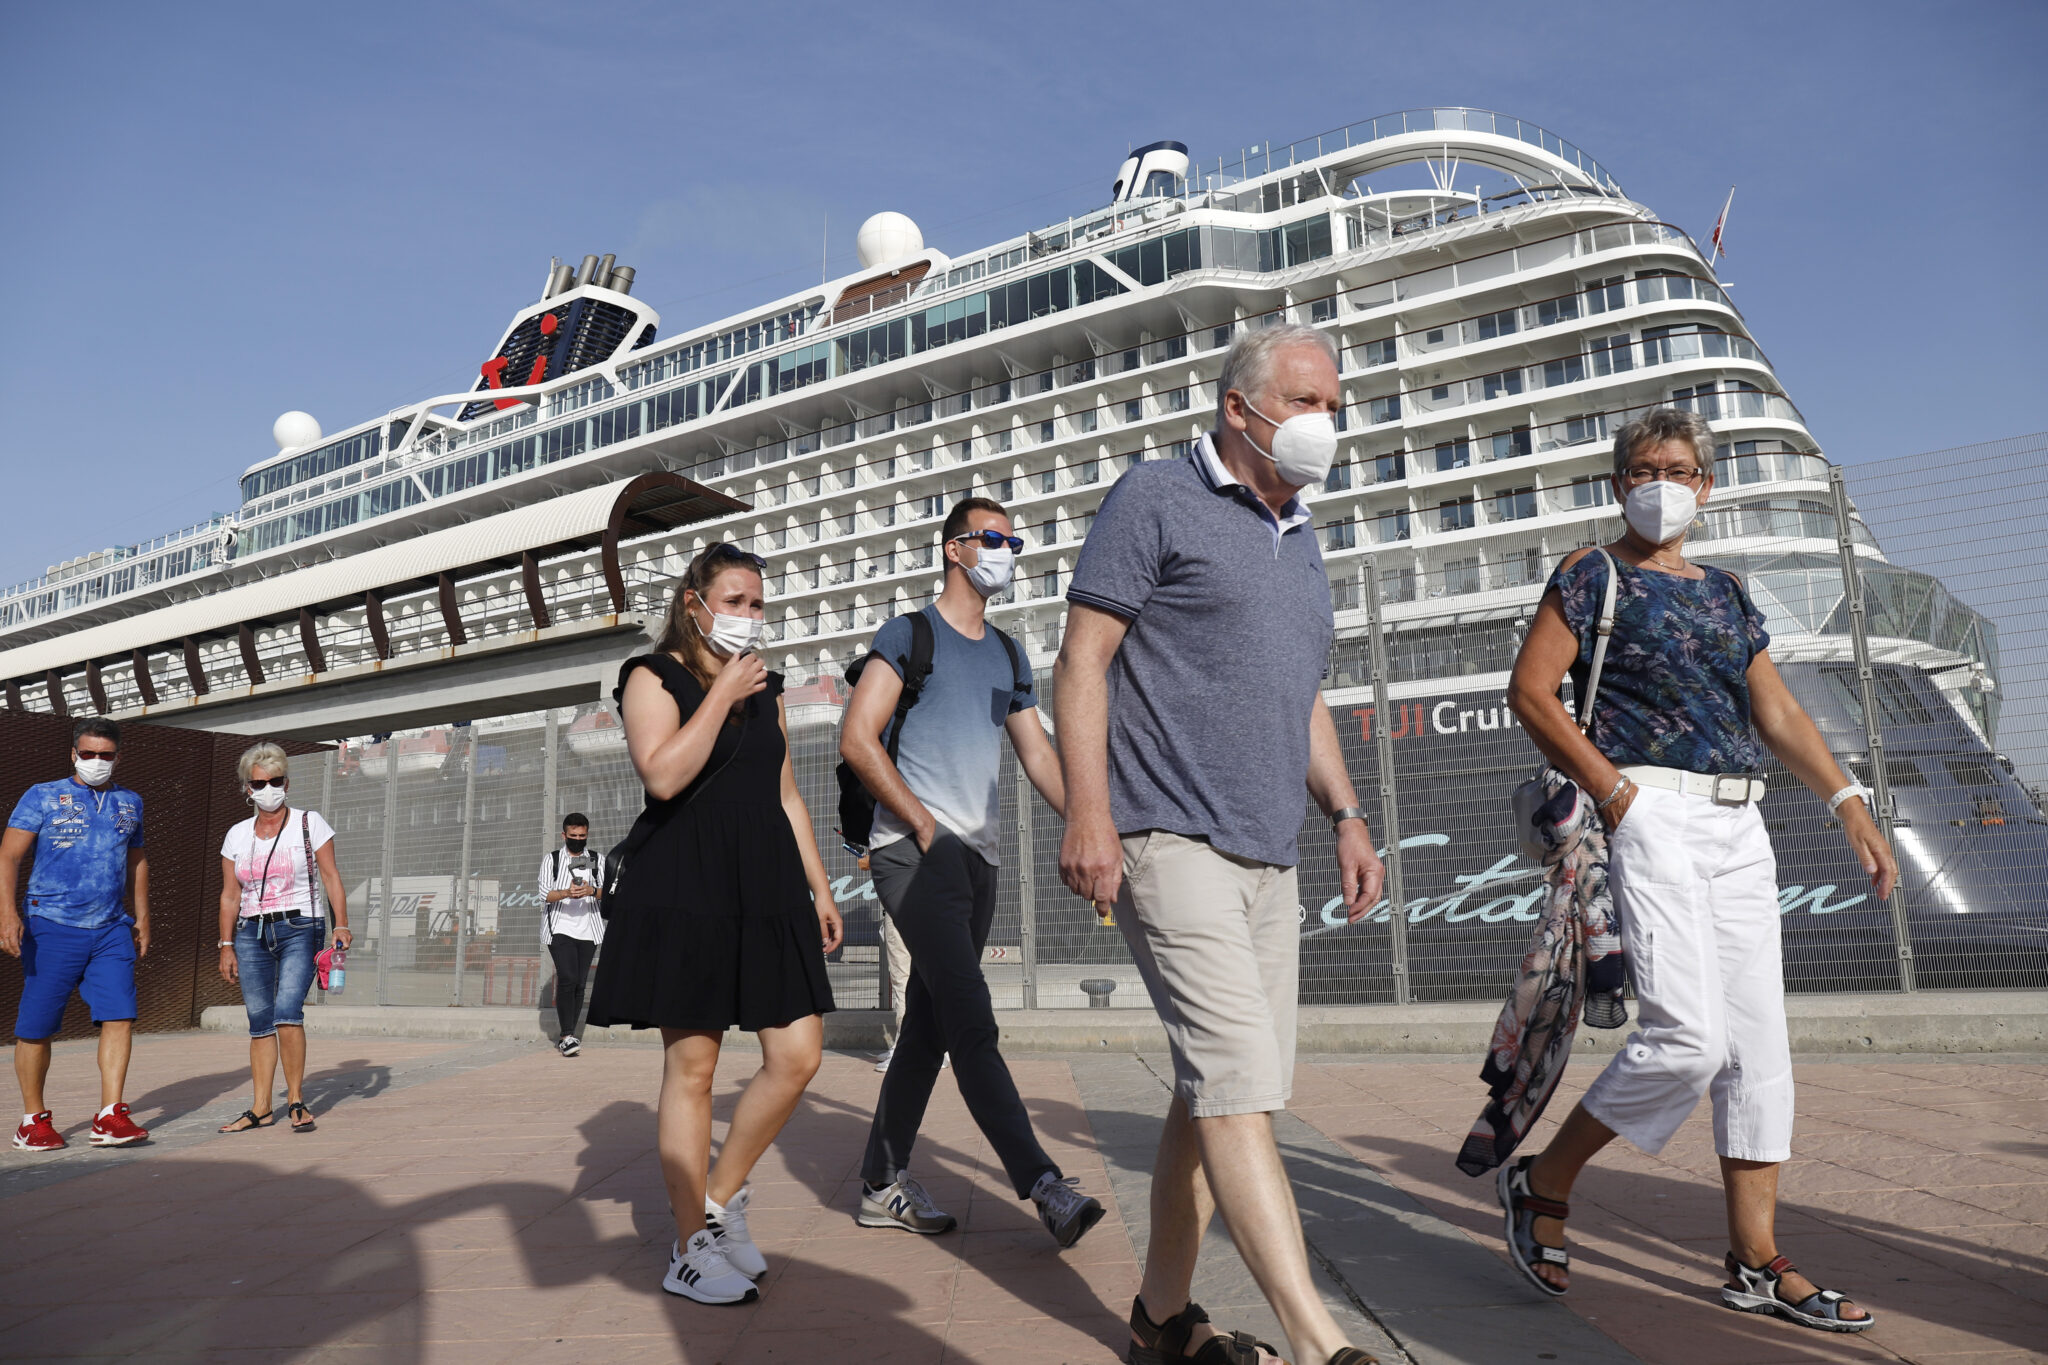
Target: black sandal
x=297 y=1109
x=255 y=1120
x=1351 y=1355
x=1523 y=1207
x=1164 y=1342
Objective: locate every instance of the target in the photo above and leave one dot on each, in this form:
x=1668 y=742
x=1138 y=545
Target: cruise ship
x=1501 y=307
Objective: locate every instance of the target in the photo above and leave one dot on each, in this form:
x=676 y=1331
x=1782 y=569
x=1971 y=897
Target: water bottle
x=336 y=976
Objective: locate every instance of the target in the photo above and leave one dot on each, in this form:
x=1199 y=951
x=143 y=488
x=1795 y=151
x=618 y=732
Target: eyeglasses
x=722 y=550
x=257 y=784
x=993 y=540
x=96 y=753
x=1638 y=474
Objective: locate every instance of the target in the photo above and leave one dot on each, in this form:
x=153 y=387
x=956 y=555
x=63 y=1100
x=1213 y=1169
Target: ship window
x=1455 y=515
x=1515 y=504
x=1497 y=325
x=1970 y=772
x=1434 y=336
x=1509 y=444
x=1340 y=535
x=1462 y=576
x=1380 y=352
x=1453 y=455
x=1388 y=468
x=1592 y=492
x=1604 y=295
x=1339 y=477
x=1322 y=310
x=1550 y=312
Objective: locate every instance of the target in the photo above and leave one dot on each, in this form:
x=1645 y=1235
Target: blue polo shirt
x=82 y=841
x=1228 y=642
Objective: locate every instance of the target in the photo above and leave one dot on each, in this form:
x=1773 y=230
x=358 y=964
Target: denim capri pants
x=275 y=958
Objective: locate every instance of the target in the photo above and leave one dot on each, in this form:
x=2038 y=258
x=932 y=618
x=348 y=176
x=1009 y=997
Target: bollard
x=1097 y=989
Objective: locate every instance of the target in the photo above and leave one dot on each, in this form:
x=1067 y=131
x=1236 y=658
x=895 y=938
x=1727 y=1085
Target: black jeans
x=942 y=903
x=572 y=968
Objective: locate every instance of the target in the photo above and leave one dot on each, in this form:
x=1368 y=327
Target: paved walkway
x=491 y=1201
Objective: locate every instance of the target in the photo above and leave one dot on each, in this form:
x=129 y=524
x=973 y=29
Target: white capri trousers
x=1697 y=887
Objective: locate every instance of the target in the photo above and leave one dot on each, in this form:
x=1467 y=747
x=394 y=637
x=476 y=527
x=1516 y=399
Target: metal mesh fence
x=1934 y=688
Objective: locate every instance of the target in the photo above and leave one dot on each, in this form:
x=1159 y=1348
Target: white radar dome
x=295 y=429
x=887 y=237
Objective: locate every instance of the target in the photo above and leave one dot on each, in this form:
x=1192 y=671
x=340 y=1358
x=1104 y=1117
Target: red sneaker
x=39 y=1135
x=116 y=1129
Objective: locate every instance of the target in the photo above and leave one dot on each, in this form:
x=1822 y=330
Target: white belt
x=1726 y=789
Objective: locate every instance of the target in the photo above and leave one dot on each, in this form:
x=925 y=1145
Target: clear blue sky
x=217 y=212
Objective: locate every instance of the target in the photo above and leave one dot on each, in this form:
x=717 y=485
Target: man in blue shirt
x=86 y=837
x=1191 y=719
x=936 y=842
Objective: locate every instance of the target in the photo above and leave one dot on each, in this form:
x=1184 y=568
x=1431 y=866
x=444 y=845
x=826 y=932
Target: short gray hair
x=264 y=755
x=1248 y=367
x=1659 y=425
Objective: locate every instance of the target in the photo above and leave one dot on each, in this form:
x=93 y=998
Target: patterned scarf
x=1576 y=939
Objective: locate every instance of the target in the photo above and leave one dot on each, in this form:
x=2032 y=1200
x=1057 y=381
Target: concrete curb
x=1926 y=1022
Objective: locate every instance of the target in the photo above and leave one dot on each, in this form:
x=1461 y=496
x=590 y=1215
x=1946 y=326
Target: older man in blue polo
x=1190 y=718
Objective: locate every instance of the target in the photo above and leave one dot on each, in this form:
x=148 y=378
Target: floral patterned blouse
x=1674 y=691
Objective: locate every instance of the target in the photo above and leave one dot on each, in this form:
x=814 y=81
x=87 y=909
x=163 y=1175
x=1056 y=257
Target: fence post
x=462 y=893
x=550 y=747
x=1873 y=736
x=1027 y=905
x=390 y=868
x=1390 y=811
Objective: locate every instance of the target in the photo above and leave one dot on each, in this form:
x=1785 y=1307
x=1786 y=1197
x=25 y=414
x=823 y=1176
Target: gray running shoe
x=1066 y=1212
x=903 y=1205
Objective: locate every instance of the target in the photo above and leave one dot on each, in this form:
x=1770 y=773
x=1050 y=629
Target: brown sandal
x=1165 y=1342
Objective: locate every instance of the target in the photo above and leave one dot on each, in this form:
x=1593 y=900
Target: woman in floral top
x=1688 y=701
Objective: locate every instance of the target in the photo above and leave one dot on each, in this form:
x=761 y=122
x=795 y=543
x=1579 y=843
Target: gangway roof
x=601 y=517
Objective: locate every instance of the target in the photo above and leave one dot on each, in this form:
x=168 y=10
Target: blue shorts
x=57 y=959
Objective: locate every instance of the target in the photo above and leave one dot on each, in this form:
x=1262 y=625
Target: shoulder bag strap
x=917 y=671
x=1016 y=654
x=312 y=867
x=1605 y=631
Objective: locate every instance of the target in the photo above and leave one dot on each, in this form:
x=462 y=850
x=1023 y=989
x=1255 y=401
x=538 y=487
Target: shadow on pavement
x=1916 y=1271
x=328 y=1264
x=821 y=1147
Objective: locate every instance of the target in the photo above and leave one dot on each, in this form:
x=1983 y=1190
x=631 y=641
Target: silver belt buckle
x=1731 y=791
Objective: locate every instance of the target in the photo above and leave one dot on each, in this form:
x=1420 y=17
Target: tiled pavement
x=491 y=1201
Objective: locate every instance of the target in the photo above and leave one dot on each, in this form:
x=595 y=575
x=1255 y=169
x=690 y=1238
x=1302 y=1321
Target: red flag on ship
x=1720 y=223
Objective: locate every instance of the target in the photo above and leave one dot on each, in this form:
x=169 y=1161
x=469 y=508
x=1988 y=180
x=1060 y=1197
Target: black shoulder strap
x=1019 y=674
x=555 y=864
x=917 y=671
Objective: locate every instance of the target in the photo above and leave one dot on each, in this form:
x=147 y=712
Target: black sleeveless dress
x=713 y=924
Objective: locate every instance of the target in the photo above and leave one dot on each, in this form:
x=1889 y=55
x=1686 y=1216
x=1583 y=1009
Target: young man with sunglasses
x=86 y=834
x=934 y=852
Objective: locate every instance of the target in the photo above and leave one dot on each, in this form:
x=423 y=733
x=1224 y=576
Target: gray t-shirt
x=1229 y=639
x=951 y=754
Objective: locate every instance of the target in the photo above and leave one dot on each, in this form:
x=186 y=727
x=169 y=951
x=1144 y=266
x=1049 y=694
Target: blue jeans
x=275 y=958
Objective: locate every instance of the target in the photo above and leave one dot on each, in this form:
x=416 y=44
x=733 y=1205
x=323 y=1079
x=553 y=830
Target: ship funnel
x=1153 y=170
x=564 y=281
x=622 y=280
x=585 y=271
x=601 y=277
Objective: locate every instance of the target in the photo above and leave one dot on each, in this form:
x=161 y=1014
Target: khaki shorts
x=1217 y=941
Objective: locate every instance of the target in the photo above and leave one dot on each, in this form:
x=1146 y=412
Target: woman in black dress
x=723 y=915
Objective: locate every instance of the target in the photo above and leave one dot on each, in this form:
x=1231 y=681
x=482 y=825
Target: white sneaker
x=902 y=1205
x=703 y=1273
x=882 y=1062
x=569 y=1047
x=728 y=1227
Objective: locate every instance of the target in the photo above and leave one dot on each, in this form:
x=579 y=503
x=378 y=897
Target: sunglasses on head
x=723 y=550
x=257 y=784
x=993 y=540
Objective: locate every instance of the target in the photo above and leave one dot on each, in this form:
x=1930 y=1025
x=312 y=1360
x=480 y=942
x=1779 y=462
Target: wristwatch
x=225 y=943
x=1338 y=817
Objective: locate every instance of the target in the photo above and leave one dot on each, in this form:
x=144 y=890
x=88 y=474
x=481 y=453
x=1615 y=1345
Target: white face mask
x=1660 y=511
x=729 y=635
x=93 y=772
x=268 y=798
x=991 y=573
x=1303 y=446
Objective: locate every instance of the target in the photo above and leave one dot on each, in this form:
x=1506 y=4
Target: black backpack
x=856 y=802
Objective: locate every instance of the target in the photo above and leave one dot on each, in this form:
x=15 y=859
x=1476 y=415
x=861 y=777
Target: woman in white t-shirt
x=272 y=926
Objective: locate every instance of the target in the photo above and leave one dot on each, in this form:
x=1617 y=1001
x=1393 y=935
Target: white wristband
x=1853 y=789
